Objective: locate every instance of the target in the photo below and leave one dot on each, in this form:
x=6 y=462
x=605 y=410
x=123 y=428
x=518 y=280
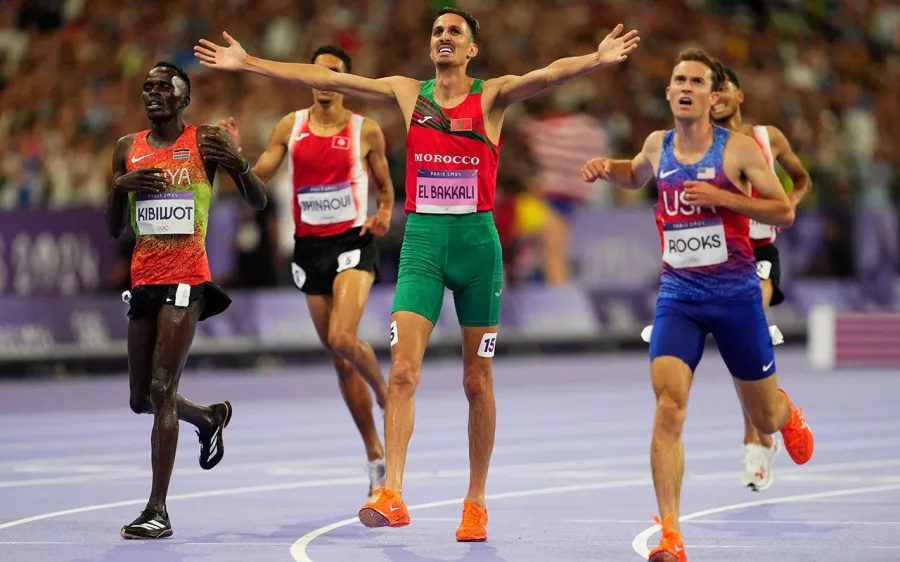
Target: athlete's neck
x=450 y=83
x=328 y=115
x=694 y=136
x=734 y=123
x=166 y=132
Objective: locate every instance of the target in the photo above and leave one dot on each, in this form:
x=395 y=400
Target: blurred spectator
x=826 y=73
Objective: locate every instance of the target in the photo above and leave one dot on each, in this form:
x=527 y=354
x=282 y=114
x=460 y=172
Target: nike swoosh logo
x=424 y=119
x=395 y=508
x=667 y=173
x=301 y=136
x=769 y=366
x=133 y=159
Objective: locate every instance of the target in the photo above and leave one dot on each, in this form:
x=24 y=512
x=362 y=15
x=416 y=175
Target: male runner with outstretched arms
x=709 y=282
x=330 y=151
x=163 y=186
x=452 y=150
x=759 y=448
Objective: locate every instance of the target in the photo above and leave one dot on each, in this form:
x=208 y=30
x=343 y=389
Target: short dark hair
x=334 y=51
x=732 y=77
x=178 y=72
x=470 y=19
x=699 y=55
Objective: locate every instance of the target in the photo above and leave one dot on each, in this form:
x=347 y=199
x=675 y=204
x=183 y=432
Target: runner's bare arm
x=117 y=203
x=785 y=156
x=628 y=174
x=378 y=164
x=272 y=157
x=216 y=146
x=512 y=89
x=380 y=222
x=235 y=59
x=770 y=207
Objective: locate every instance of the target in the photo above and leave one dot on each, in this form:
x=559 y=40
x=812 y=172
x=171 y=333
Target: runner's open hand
x=143 y=180
x=615 y=49
x=216 y=147
x=230 y=58
x=378 y=224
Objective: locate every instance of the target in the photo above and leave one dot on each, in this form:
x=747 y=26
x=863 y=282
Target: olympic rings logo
x=162 y=229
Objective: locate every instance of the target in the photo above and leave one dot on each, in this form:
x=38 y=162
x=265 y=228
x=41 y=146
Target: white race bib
x=452 y=192
x=326 y=204
x=169 y=212
x=760 y=231
x=695 y=243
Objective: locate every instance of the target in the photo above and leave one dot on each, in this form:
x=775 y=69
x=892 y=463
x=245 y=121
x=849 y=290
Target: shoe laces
x=474 y=515
x=670 y=538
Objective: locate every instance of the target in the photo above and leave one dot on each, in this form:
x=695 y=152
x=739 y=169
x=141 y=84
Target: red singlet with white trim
x=762 y=234
x=329 y=181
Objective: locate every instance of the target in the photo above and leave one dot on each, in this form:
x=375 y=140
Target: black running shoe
x=150 y=525
x=212 y=442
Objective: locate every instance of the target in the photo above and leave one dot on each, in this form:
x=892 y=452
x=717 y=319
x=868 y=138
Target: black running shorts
x=319 y=259
x=768 y=266
x=147 y=300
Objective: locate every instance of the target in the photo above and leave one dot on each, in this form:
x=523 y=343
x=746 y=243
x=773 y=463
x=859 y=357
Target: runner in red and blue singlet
x=453 y=144
x=708 y=284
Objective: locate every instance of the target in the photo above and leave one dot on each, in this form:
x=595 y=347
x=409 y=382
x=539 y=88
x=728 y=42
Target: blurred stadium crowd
x=827 y=72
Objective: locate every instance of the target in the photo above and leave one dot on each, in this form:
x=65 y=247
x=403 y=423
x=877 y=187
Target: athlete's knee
x=342 y=342
x=140 y=404
x=404 y=376
x=671 y=383
x=162 y=387
x=477 y=380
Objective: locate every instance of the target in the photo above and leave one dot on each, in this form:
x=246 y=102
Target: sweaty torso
x=328 y=174
x=170 y=226
x=451 y=163
x=707 y=254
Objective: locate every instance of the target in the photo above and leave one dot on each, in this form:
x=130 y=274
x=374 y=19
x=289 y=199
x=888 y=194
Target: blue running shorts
x=740 y=330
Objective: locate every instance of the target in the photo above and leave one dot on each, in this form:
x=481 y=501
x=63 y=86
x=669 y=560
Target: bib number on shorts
x=697 y=243
x=348 y=260
x=450 y=192
x=760 y=231
x=169 y=212
x=326 y=204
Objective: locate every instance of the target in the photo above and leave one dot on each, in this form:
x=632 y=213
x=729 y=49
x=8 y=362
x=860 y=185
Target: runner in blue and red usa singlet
x=708 y=284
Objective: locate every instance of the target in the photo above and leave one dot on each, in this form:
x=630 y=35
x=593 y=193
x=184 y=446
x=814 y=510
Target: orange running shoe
x=798 y=437
x=671 y=546
x=384 y=509
x=474 y=524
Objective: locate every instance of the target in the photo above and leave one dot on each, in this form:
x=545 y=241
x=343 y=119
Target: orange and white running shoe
x=385 y=508
x=474 y=524
x=671 y=544
x=798 y=437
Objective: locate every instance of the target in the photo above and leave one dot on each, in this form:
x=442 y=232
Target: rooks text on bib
x=169 y=212
x=452 y=192
x=695 y=243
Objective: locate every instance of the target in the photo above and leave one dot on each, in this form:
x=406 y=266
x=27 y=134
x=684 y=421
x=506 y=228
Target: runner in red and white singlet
x=330 y=152
x=760 y=449
x=162 y=187
x=450 y=241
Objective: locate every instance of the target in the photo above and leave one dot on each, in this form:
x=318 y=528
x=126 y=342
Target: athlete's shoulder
x=654 y=140
x=124 y=144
